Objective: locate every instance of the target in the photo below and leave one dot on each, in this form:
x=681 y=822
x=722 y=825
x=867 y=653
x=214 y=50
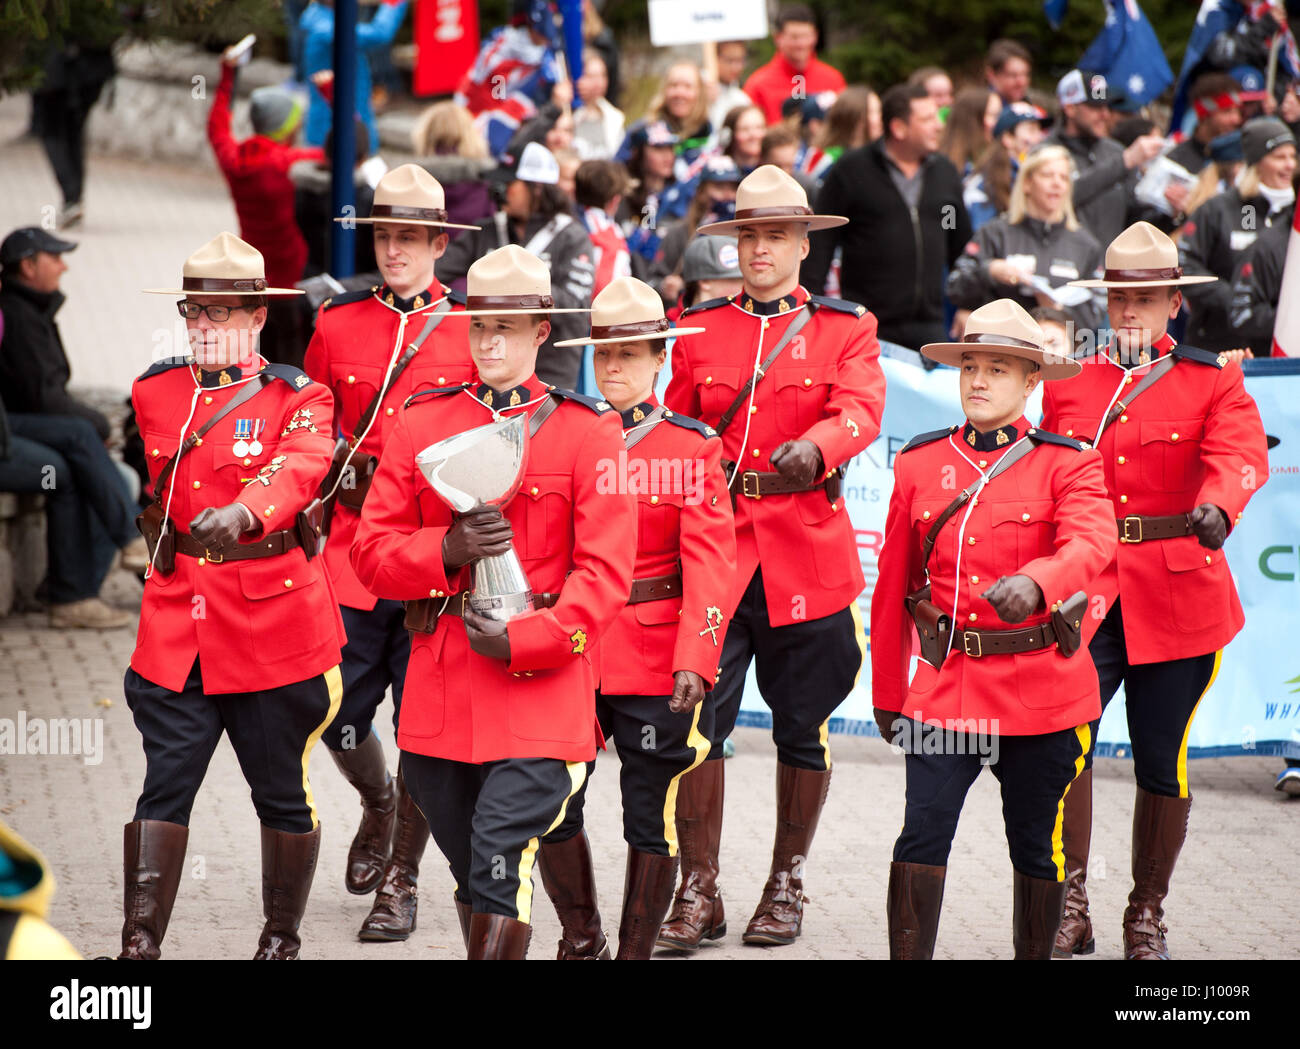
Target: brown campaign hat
x=1141 y=257
x=766 y=195
x=628 y=310
x=1003 y=326
x=509 y=280
x=225 y=265
x=409 y=196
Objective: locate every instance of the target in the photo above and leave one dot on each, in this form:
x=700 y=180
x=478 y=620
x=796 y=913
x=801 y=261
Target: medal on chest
x=247 y=432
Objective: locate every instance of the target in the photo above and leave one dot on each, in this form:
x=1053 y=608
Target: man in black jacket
x=907 y=222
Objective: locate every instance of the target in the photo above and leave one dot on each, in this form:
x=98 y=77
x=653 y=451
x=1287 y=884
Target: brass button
x=925 y=516
x=654 y=500
x=267 y=511
x=351 y=379
x=1128 y=379
x=207 y=400
x=835 y=506
x=248 y=462
x=534 y=490
x=766 y=325
x=668 y=413
x=442 y=379
x=433 y=593
x=155 y=453
x=1024 y=517
x=973 y=616
x=1123 y=418
x=1208 y=559
x=288 y=582
x=807 y=382
x=198 y=441
x=202 y=561
x=197 y=484
x=974 y=579
x=1069 y=433
x=389 y=411
x=753 y=409
x=755 y=453
x=708 y=379
x=1173 y=436
x=983 y=463
x=1121 y=460
x=971 y=540
x=1123 y=498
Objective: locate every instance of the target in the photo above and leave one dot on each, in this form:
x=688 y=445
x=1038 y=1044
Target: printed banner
x=446 y=44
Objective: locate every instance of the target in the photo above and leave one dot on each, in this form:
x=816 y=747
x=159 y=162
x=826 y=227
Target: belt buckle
x=744 y=484
x=966 y=639
x=1131 y=520
x=213 y=558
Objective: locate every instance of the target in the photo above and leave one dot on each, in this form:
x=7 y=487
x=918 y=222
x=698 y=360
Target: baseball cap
x=1018 y=113
x=1259 y=137
x=720 y=168
x=656 y=133
x=711 y=258
x=1253 y=85
x=1224 y=149
x=1083 y=87
x=27 y=241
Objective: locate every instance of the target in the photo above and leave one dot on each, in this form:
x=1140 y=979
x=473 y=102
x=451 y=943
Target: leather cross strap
x=655 y=588
x=1158 y=371
x=542 y=414
x=272 y=545
x=977 y=643
x=435 y=318
x=1137 y=529
x=795 y=326
x=644 y=427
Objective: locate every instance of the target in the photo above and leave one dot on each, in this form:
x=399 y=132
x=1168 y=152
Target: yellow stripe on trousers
x=860 y=638
x=334 y=683
x=1187 y=729
x=524 y=894
x=1084 y=734
x=700 y=745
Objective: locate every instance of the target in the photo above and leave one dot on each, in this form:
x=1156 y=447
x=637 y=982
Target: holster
x=354 y=485
x=162 y=546
x=422 y=614
x=1067 y=621
x=308 y=525
x=933 y=627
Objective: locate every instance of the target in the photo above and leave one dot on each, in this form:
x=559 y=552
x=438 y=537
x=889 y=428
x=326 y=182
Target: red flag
x=446 y=42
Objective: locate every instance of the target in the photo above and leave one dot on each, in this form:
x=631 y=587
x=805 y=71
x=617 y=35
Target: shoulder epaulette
x=360 y=295
x=295 y=377
x=839 y=305
x=687 y=423
x=926 y=438
x=164 y=365
x=1037 y=434
x=1195 y=353
x=433 y=391
x=594 y=403
x=707 y=304
x=458 y=297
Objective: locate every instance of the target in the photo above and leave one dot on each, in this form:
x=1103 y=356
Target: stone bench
x=22 y=550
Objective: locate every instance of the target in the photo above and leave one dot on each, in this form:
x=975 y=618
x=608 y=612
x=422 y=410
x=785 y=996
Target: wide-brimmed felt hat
x=628 y=310
x=1141 y=257
x=1004 y=326
x=225 y=266
x=768 y=195
x=509 y=280
x=409 y=196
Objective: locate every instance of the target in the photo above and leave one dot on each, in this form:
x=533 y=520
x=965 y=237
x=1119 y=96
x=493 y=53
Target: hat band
x=616 y=331
x=400 y=211
x=784 y=211
x=1165 y=273
x=509 y=302
x=999 y=340
x=251 y=285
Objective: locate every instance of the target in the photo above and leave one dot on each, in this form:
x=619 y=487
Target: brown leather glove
x=219 y=527
x=799 y=462
x=484 y=533
x=885 y=720
x=688 y=690
x=487 y=637
x=1209 y=525
x=1013 y=597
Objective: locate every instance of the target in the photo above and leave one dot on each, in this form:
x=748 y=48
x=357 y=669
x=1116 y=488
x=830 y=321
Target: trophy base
x=501 y=607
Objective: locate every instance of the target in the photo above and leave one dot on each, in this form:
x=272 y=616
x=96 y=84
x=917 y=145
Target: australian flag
x=1214 y=17
x=1128 y=54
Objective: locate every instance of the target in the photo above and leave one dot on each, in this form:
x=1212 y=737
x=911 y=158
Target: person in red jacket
x=239 y=628
x=1002 y=546
x=1184 y=450
x=374 y=348
x=791 y=381
x=795 y=70
x=659 y=658
x=498 y=720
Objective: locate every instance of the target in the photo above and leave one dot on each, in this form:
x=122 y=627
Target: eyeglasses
x=217 y=312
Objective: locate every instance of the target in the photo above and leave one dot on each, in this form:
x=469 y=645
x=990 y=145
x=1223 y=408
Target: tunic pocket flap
x=283 y=575
x=1022 y=511
x=1171 y=431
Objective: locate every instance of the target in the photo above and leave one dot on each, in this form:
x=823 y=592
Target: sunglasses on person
x=217 y=312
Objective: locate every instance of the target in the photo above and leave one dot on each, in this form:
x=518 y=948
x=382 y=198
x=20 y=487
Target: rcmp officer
x=373 y=349
x=999 y=681
x=784 y=436
x=658 y=659
x=498 y=724
x=239 y=627
x=1184 y=450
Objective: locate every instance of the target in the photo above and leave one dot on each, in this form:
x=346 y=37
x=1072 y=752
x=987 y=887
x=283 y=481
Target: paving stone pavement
x=1231 y=895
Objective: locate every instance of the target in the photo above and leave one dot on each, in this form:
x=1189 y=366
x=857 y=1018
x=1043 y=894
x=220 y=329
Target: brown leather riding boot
x=697 y=912
x=288 y=863
x=1076 y=936
x=647 y=893
x=1035 y=916
x=570 y=882
x=800 y=795
x=494 y=937
x=367 y=770
x=153 y=853
x=463 y=912
x=915 y=899
x=392 y=917
x=1159 y=829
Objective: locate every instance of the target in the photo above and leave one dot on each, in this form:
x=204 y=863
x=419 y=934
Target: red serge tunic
x=684 y=522
x=254 y=624
x=826 y=387
x=1047 y=518
x=358 y=336
x=572 y=538
x=1193 y=437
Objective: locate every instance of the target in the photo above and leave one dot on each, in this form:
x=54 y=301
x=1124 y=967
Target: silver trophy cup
x=479 y=468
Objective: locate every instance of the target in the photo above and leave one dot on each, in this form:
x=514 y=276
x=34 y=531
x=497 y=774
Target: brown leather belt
x=655 y=588
x=268 y=546
x=977 y=643
x=1136 y=529
x=754 y=485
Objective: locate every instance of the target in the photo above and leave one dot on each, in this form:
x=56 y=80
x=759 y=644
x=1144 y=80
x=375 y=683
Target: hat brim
x=813 y=222
x=671 y=333
x=406 y=222
x=950 y=353
x=1099 y=283
x=223 y=294
x=509 y=313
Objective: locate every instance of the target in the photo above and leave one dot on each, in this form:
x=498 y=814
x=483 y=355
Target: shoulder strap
x=541 y=240
x=1158 y=371
x=542 y=414
x=243 y=395
x=435 y=318
x=643 y=430
x=795 y=326
x=1013 y=455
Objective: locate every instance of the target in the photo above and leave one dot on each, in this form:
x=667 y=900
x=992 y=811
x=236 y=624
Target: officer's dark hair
x=896 y=104
x=1003 y=49
x=794 y=13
